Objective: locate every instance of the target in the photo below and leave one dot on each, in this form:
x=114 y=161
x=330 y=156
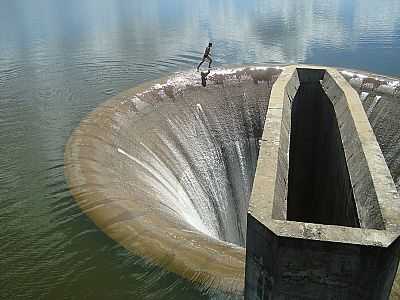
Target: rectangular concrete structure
x=323 y=219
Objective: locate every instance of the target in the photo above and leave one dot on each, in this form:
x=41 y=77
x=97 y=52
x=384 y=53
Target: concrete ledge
x=284 y=252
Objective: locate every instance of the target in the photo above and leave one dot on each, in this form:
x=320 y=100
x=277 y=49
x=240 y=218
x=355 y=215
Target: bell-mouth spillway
x=166 y=169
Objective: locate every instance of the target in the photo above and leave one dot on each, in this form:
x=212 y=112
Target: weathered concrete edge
x=388 y=198
x=265 y=182
x=368 y=208
x=270 y=144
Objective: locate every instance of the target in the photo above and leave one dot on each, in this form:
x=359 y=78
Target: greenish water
x=60 y=59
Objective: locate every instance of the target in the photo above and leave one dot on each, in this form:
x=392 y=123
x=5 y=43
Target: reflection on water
x=60 y=59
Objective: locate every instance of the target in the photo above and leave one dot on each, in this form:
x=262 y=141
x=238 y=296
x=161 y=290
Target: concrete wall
x=290 y=268
x=344 y=242
x=319 y=188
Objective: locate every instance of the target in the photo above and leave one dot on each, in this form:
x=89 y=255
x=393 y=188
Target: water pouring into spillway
x=166 y=169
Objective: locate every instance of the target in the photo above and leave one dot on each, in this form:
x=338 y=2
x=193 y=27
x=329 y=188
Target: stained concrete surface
x=306 y=260
x=319 y=189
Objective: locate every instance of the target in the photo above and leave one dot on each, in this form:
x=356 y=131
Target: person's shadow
x=204 y=78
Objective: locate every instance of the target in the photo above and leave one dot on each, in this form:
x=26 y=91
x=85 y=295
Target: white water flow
x=166 y=168
x=197 y=158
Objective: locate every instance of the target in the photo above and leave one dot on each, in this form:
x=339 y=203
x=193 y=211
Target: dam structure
x=167 y=169
x=324 y=215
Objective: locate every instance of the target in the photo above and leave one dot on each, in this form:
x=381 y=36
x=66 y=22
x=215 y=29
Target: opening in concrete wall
x=319 y=188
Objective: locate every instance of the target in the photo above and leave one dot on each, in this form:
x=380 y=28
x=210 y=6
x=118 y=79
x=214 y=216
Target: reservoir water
x=60 y=59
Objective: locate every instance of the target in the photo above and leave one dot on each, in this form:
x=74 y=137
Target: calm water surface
x=60 y=59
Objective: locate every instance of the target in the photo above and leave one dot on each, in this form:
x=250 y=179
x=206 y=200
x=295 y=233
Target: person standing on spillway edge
x=206 y=56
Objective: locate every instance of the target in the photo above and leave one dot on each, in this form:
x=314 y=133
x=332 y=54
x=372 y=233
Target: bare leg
x=209 y=62
x=203 y=60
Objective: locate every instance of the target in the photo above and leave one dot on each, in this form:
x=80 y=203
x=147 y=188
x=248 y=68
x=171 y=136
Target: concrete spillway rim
x=222 y=265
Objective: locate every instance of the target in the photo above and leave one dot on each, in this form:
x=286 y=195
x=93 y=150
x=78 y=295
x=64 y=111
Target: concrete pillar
x=323 y=220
